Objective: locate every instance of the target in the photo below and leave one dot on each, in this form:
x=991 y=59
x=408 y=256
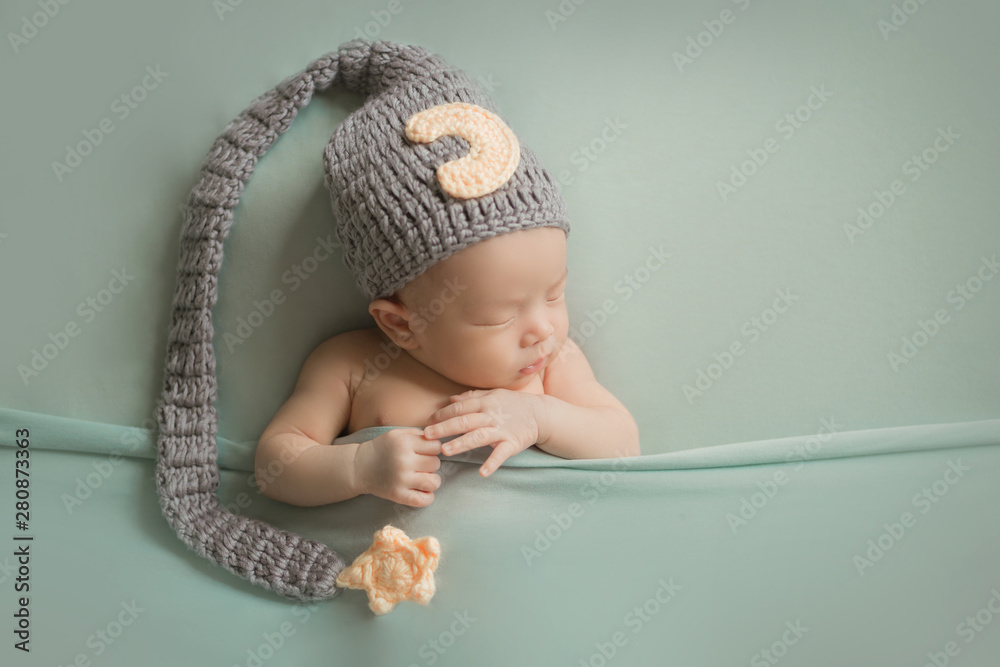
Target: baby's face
x=487 y=312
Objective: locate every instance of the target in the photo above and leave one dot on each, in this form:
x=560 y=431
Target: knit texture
x=187 y=469
x=394 y=568
x=394 y=220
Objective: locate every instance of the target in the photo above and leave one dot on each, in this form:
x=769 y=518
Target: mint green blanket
x=875 y=547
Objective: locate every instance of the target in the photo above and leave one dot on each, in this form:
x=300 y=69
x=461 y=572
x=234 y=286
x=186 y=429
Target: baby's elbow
x=631 y=439
x=262 y=471
x=263 y=484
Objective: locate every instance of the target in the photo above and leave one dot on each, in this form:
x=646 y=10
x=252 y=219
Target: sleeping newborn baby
x=495 y=368
x=457 y=237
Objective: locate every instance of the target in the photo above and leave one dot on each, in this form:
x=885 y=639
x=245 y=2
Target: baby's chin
x=514 y=381
x=519 y=382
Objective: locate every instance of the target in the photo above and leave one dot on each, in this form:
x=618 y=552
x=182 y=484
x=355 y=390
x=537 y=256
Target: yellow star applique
x=394 y=568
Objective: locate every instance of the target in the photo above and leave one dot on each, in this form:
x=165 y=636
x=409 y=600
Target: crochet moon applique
x=394 y=568
x=493 y=148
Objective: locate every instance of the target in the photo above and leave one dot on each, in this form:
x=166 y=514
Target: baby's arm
x=576 y=418
x=582 y=419
x=295 y=461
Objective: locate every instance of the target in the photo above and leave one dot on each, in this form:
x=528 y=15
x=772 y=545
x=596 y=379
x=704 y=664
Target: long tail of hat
x=187 y=470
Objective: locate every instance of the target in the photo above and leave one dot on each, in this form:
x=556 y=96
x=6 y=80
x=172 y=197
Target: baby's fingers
x=427 y=447
x=501 y=453
x=416 y=498
x=471 y=440
x=426 y=481
x=427 y=464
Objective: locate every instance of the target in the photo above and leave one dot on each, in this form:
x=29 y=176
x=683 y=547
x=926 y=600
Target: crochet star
x=394 y=568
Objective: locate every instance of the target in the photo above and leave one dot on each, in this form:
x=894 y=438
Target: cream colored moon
x=493 y=148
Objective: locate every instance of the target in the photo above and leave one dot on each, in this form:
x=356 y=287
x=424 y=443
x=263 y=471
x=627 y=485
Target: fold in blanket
x=64 y=433
x=373 y=432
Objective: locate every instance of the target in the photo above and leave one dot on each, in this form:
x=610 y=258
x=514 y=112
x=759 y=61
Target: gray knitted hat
x=397 y=214
x=425 y=168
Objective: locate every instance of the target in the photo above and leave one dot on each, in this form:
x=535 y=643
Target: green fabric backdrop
x=741 y=137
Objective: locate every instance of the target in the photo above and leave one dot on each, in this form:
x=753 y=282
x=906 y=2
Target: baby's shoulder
x=340 y=355
x=343 y=344
x=355 y=340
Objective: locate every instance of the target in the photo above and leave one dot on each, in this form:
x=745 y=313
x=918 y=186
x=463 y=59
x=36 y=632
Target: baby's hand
x=508 y=421
x=400 y=465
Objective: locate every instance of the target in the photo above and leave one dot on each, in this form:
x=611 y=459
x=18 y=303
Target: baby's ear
x=389 y=315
